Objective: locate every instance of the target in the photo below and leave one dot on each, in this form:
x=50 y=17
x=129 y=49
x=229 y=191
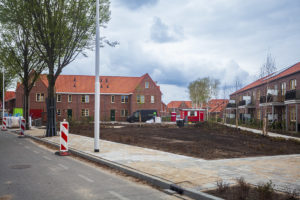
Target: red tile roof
x=86 y=84
x=217 y=105
x=176 y=104
x=10 y=95
x=276 y=75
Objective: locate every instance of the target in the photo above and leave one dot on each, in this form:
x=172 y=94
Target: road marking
x=27 y=147
x=36 y=152
x=47 y=158
x=63 y=166
x=118 y=195
x=85 y=178
x=20 y=143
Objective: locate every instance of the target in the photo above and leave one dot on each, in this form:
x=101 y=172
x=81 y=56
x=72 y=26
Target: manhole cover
x=20 y=166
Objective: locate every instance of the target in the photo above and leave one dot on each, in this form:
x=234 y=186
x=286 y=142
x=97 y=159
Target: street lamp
x=3 y=98
x=97 y=84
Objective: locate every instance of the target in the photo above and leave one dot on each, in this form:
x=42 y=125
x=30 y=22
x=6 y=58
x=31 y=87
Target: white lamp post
x=97 y=84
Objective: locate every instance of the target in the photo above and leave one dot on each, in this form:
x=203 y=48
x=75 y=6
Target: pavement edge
x=156 y=181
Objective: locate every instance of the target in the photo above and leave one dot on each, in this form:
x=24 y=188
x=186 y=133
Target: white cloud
x=179 y=41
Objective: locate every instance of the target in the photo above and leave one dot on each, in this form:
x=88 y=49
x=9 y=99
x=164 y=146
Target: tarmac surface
x=192 y=173
x=29 y=172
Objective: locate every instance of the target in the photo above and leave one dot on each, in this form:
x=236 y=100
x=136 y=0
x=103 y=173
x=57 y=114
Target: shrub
x=265 y=190
x=222 y=186
x=243 y=188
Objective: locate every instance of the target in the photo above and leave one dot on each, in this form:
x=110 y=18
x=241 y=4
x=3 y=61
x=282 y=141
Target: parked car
x=145 y=115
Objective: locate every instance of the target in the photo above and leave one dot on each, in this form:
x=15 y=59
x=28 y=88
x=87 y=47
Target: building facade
x=276 y=96
x=120 y=96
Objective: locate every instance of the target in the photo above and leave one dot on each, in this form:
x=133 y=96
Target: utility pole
x=97 y=84
x=3 y=97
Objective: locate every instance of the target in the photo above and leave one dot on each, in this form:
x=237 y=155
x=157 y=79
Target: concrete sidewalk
x=193 y=173
x=260 y=132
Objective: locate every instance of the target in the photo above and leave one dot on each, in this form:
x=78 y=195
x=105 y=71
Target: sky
x=179 y=41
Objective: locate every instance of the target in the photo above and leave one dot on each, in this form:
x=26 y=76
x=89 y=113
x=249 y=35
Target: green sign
x=18 y=112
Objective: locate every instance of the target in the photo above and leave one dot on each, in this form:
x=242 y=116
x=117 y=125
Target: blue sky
x=178 y=41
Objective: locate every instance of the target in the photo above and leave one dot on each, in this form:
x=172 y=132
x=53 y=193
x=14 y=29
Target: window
x=147 y=84
x=283 y=88
x=152 y=99
x=40 y=97
x=58 y=98
x=112 y=99
x=293 y=114
x=58 y=112
x=85 y=99
x=293 y=84
x=140 y=99
x=69 y=98
x=124 y=113
x=85 y=112
x=124 y=99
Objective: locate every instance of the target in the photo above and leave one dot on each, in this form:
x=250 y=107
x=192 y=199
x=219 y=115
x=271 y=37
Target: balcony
x=231 y=105
x=248 y=103
x=292 y=95
x=242 y=103
x=271 y=98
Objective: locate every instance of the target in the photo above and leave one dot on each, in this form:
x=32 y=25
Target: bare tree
x=268 y=67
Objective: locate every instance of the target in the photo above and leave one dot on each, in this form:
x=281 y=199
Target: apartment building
x=277 y=95
x=120 y=96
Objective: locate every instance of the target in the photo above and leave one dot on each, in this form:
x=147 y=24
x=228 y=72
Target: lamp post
x=97 y=85
x=3 y=97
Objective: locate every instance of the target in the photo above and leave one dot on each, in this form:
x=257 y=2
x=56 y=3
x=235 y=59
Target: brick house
x=215 y=106
x=176 y=106
x=120 y=96
x=277 y=94
x=10 y=101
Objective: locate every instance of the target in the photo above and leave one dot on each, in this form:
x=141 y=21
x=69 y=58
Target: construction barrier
x=64 y=133
x=4 y=122
x=22 y=127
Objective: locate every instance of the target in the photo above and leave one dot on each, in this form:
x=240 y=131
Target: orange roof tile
x=86 y=84
x=276 y=75
x=176 y=104
x=217 y=105
x=10 y=95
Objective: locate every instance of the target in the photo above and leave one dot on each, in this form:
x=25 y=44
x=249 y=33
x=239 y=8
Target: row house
x=176 y=106
x=276 y=95
x=10 y=102
x=119 y=96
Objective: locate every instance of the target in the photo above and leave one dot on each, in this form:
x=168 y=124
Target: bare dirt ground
x=205 y=140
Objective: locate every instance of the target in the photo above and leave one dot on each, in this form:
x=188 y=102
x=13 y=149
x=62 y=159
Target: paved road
x=28 y=171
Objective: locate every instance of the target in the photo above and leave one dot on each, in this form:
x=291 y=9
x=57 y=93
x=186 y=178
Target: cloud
x=136 y=4
x=161 y=32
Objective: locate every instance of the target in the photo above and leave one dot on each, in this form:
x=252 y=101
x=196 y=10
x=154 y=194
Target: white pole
x=97 y=84
x=3 y=97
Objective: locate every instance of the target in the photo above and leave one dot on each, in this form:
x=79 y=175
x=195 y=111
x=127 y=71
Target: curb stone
x=153 y=180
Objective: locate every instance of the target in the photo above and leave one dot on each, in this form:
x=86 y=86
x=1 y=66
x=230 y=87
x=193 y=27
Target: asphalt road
x=28 y=171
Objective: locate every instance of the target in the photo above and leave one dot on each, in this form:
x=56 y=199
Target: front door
x=112 y=115
x=69 y=113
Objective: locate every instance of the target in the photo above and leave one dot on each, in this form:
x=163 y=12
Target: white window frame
x=152 y=100
x=123 y=113
x=112 y=99
x=69 y=98
x=293 y=84
x=41 y=97
x=85 y=112
x=58 y=98
x=142 y=99
x=283 y=88
x=86 y=99
x=147 y=84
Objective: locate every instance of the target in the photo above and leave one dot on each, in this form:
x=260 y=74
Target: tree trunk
x=26 y=106
x=51 y=108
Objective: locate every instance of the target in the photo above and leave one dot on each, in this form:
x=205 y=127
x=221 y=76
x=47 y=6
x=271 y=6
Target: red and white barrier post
x=4 y=122
x=64 y=134
x=22 y=127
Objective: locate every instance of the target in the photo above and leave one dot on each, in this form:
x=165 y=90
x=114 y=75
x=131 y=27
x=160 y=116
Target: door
x=112 y=115
x=70 y=113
